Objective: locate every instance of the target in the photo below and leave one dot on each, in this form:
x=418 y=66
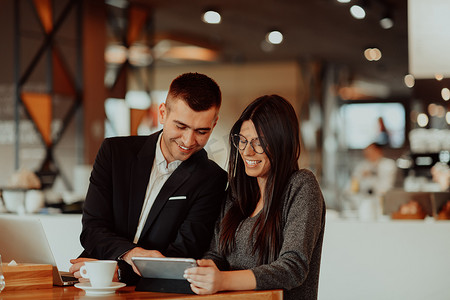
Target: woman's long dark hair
x=278 y=130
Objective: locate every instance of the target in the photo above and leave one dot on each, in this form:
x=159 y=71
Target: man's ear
x=215 y=122
x=162 y=113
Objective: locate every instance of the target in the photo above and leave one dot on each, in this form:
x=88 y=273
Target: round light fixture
x=211 y=17
x=357 y=12
x=274 y=37
x=422 y=120
x=372 y=54
x=386 y=22
x=445 y=93
x=409 y=80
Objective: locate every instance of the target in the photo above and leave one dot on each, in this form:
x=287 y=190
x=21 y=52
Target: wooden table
x=128 y=292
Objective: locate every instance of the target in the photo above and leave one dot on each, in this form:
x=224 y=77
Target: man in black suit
x=157 y=195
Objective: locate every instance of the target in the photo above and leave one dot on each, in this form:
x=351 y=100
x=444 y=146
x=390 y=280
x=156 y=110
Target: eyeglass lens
x=241 y=142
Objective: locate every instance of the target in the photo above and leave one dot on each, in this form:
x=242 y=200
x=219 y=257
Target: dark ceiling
x=321 y=30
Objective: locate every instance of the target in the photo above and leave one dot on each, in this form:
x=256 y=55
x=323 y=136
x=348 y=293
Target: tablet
x=165 y=267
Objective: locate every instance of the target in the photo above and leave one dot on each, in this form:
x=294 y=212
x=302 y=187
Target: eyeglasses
x=241 y=142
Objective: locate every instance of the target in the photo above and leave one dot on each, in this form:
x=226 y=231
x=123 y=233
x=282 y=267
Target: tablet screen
x=166 y=267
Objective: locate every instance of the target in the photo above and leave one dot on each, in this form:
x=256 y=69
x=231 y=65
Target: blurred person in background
x=383 y=137
x=376 y=174
x=440 y=173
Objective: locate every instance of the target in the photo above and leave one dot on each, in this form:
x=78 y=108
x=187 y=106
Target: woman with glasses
x=271 y=228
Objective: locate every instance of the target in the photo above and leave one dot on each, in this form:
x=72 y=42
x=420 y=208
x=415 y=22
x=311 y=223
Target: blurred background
x=75 y=72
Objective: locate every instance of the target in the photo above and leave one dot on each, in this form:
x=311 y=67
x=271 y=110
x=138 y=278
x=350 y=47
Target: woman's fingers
x=197 y=278
x=205 y=263
x=198 y=271
x=205 y=278
x=199 y=291
x=203 y=281
x=201 y=287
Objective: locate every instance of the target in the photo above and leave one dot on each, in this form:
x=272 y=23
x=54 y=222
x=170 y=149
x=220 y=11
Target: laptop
x=23 y=240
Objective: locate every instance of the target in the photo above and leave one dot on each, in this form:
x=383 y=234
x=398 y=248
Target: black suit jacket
x=176 y=228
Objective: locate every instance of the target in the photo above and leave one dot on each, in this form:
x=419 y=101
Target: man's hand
x=138 y=251
x=76 y=265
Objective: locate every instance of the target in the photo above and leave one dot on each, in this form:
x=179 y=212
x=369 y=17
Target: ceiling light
x=193 y=53
x=343 y=1
x=439 y=77
x=445 y=93
x=447 y=117
x=357 y=12
x=172 y=49
x=372 y=54
x=211 y=17
x=422 y=120
x=409 y=80
x=274 y=37
x=386 y=22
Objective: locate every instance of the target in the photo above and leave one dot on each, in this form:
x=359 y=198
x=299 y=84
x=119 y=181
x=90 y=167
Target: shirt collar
x=161 y=162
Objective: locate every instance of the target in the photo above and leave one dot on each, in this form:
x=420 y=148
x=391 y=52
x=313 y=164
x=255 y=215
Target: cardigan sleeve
x=303 y=217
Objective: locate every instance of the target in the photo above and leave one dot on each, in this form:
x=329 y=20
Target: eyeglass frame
x=246 y=143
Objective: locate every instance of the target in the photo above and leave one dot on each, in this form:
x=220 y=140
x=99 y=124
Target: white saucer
x=99 y=290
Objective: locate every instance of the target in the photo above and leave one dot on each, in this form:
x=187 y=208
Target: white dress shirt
x=161 y=171
x=376 y=176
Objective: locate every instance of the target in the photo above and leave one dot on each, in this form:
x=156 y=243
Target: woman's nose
x=248 y=149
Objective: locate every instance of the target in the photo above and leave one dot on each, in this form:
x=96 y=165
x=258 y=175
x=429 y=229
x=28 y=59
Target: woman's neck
x=260 y=204
x=258 y=208
x=262 y=184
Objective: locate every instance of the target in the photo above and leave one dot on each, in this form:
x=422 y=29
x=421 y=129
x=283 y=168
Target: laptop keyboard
x=68 y=278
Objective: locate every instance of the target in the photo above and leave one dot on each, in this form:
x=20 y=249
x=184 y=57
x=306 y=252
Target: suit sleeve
x=98 y=236
x=194 y=234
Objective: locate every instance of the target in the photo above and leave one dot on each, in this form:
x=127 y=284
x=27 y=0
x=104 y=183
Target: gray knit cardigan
x=296 y=270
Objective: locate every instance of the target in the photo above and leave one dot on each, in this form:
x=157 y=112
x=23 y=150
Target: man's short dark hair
x=198 y=90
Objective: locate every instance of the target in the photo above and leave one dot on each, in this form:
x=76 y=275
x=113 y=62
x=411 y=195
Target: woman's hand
x=204 y=279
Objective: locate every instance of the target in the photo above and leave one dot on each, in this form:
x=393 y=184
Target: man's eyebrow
x=196 y=129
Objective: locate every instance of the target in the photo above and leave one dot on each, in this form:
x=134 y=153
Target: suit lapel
x=140 y=174
x=177 y=179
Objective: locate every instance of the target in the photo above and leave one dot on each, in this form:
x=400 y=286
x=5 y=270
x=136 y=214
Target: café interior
x=356 y=72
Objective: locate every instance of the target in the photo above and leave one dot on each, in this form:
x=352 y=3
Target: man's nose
x=188 y=138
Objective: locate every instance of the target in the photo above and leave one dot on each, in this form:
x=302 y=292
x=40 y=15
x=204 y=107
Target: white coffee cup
x=34 y=201
x=99 y=272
